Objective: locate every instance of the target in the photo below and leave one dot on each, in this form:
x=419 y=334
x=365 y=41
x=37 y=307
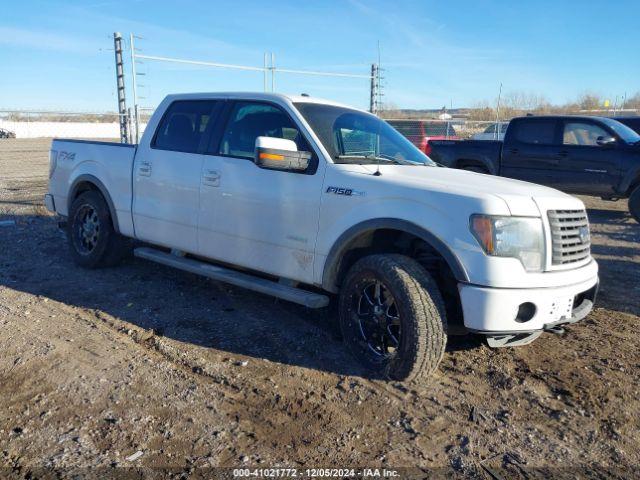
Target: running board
x=239 y=279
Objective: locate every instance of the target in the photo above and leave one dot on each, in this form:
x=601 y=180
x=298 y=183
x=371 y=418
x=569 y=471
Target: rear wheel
x=634 y=204
x=92 y=239
x=392 y=317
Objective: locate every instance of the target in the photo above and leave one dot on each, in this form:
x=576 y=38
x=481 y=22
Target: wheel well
x=471 y=163
x=389 y=240
x=81 y=188
x=88 y=185
x=634 y=184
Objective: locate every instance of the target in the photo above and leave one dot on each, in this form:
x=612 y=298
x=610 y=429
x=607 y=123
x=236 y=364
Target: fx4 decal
x=70 y=156
x=345 y=191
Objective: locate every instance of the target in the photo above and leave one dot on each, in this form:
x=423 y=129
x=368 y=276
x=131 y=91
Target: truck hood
x=521 y=198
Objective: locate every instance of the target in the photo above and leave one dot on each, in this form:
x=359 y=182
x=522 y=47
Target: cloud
x=166 y=40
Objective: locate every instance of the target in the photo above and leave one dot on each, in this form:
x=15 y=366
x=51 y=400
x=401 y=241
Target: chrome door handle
x=592 y=170
x=211 y=178
x=145 y=169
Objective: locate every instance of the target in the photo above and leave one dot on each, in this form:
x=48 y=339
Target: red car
x=421 y=132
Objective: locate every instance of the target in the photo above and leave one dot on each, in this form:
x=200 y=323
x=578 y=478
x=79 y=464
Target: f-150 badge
x=345 y=191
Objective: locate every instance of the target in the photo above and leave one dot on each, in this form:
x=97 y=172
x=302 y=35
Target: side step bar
x=239 y=279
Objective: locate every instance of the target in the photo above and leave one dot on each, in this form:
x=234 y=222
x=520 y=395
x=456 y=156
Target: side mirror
x=606 y=141
x=280 y=154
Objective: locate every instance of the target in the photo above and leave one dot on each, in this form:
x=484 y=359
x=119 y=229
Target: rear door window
x=537 y=132
x=183 y=126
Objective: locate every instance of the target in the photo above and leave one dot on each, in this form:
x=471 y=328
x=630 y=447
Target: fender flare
x=87 y=178
x=339 y=248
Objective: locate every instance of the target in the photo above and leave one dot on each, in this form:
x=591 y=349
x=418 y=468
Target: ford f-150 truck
x=305 y=199
x=583 y=155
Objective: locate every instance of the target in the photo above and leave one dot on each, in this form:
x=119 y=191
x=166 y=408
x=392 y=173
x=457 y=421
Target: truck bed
x=109 y=163
x=458 y=153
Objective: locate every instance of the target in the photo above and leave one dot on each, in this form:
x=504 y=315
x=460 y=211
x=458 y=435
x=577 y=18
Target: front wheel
x=392 y=317
x=634 y=204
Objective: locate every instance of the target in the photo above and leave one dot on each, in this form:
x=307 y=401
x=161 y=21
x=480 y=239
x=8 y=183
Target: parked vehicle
x=632 y=122
x=495 y=131
x=303 y=199
x=6 y=133
x=422 y=132
x=583 y=155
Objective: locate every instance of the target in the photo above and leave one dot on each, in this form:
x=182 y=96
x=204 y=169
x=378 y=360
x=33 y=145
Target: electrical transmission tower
x=375 y=95
x=122 y=103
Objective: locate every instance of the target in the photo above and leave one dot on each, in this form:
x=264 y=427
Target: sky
x=58 y=55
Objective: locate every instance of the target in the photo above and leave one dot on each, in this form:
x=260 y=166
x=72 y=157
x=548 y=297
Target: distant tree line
x=516 y=103
x=65 y=117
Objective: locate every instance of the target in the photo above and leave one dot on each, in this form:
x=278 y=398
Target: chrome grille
x=570 y=236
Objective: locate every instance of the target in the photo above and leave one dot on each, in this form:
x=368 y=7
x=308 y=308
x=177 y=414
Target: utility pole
x=122 y=103
x=273 y=72
x=379 y=81
x=374 y=94
x=134 y=79
x=266 y=73
x=496 y=134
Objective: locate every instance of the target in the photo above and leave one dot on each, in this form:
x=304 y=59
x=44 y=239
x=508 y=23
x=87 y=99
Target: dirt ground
x=98 y=365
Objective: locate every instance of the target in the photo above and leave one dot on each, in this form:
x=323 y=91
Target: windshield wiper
x=379 y=157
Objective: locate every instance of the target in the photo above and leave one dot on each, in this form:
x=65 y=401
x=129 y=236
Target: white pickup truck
x=305 y=199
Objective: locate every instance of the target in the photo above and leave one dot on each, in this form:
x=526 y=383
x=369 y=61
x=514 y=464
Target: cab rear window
x=538 y=132
x=183 y=126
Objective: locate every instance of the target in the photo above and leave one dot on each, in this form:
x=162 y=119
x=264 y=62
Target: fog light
x=526 y=312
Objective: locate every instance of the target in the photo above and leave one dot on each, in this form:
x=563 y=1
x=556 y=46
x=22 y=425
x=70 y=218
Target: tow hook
x=555 y=329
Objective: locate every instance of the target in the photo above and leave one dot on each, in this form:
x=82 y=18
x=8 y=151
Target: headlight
x=516 y=237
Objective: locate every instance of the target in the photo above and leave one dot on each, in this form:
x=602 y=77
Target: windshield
x=351 y=136
x=624 y=132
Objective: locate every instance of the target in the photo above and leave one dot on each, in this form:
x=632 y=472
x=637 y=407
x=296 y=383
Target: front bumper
x=498 y=312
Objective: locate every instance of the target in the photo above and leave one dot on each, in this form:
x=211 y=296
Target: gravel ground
x=99 y=365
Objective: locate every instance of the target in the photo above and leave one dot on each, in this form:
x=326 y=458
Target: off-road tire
x=420 y=308
x=110 y=247
x=634 y=204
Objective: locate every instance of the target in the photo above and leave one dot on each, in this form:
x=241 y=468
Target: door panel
x=530 y=154
x=167 y=190
x=167 y=175
x=265 y=220
x=585 y=166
